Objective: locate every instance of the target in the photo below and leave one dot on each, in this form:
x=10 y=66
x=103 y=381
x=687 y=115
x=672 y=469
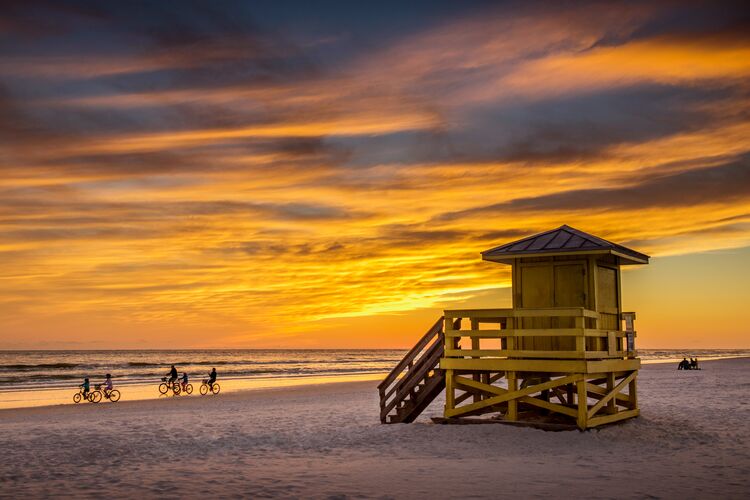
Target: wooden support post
x=582 y=404
x=475 y=346
x=611 y=405
x=570 y=392
x=450 y=394
x=633 y=393
x=513 y=403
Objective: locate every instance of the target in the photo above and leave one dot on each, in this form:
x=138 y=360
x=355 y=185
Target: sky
x=324 y=174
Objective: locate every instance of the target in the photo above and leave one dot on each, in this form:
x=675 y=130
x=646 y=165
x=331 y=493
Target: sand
x=325 y=441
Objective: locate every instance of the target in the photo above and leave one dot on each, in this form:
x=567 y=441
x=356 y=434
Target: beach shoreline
x=322 y=441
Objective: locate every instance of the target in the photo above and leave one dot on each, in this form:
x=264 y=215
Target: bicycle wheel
x=176 y=389
x=77 y=398
x=204 y=389
x=216 y=388
x=163 y=388
x=189 y=388
x=96 y=396
x=114 y=395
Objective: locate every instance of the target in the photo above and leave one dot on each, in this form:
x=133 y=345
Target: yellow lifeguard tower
x=559 y=357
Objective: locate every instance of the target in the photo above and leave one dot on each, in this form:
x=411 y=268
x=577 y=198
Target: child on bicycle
x=108 y=385
x=86 y=386
x=184 y=381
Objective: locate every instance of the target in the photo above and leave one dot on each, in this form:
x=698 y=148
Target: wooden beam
x=482 y=334
x=549 y=406
x=527 y=332
x=503 y=395
x=507 y=353
x=598 y=392
x=613 y=365
x=484 y=314
x=479 y=313
x=633 y=393
x=450 y=395
x=475 y=347
x=611 y=405
x=581 y=414
x=560 y=395
x=608 y=419
x=619 y=387
x=501 y=365
x=512 y=413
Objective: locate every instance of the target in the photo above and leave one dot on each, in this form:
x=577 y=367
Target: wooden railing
x=549 y=333
x=414 y=369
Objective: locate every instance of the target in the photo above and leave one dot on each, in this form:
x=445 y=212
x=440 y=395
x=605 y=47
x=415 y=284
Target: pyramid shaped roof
x=563 y=240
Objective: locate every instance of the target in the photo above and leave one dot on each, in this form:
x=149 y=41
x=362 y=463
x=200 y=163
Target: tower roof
x=563 y=240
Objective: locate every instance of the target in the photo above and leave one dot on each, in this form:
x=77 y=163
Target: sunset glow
x=246 y=179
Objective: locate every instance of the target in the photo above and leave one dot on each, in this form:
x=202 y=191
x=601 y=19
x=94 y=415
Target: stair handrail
x=418 y=370
x=413 y=352
x=425 y=364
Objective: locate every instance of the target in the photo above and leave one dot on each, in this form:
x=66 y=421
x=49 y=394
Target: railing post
x=510 y=342
x=580 y=322
x=475 y=346
x=629 y=318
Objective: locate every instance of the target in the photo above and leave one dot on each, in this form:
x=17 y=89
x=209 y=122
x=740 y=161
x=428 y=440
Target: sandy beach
x=325 y=441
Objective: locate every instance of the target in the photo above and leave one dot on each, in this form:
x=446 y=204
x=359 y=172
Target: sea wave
x=40 y=366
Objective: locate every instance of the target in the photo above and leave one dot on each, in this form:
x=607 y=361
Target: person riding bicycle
x=211 y=378
x=108 y=385
x=184 y=381
x=86 y=387
x=172 y=375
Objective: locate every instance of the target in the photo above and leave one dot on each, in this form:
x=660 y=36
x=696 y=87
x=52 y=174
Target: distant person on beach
x=684 y=364
x=172 y=375
x=694 y=363
x=108 y=384
x=212 y=378
x=86 y=387
x=184 y=380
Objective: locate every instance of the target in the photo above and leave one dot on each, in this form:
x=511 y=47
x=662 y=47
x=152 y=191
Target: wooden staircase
x=415 y=381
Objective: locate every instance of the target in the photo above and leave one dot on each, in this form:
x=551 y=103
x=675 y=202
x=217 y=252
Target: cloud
x=211 y=166
x=723 y=185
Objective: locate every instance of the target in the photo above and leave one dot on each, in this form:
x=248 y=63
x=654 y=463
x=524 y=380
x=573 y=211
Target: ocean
x=36 y=370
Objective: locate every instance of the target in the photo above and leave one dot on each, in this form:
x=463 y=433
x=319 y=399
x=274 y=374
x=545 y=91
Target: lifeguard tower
x=558 y=358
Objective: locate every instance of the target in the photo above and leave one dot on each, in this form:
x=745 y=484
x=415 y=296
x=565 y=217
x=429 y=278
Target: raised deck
x=548 y=360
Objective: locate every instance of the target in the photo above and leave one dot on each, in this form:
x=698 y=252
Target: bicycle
x=186 y=388
x=79 y=396
x=170 y=385
x=214 y=388
x=113 y=395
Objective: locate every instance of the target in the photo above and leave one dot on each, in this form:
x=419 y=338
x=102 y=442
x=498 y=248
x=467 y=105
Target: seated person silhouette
x=684 y=364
